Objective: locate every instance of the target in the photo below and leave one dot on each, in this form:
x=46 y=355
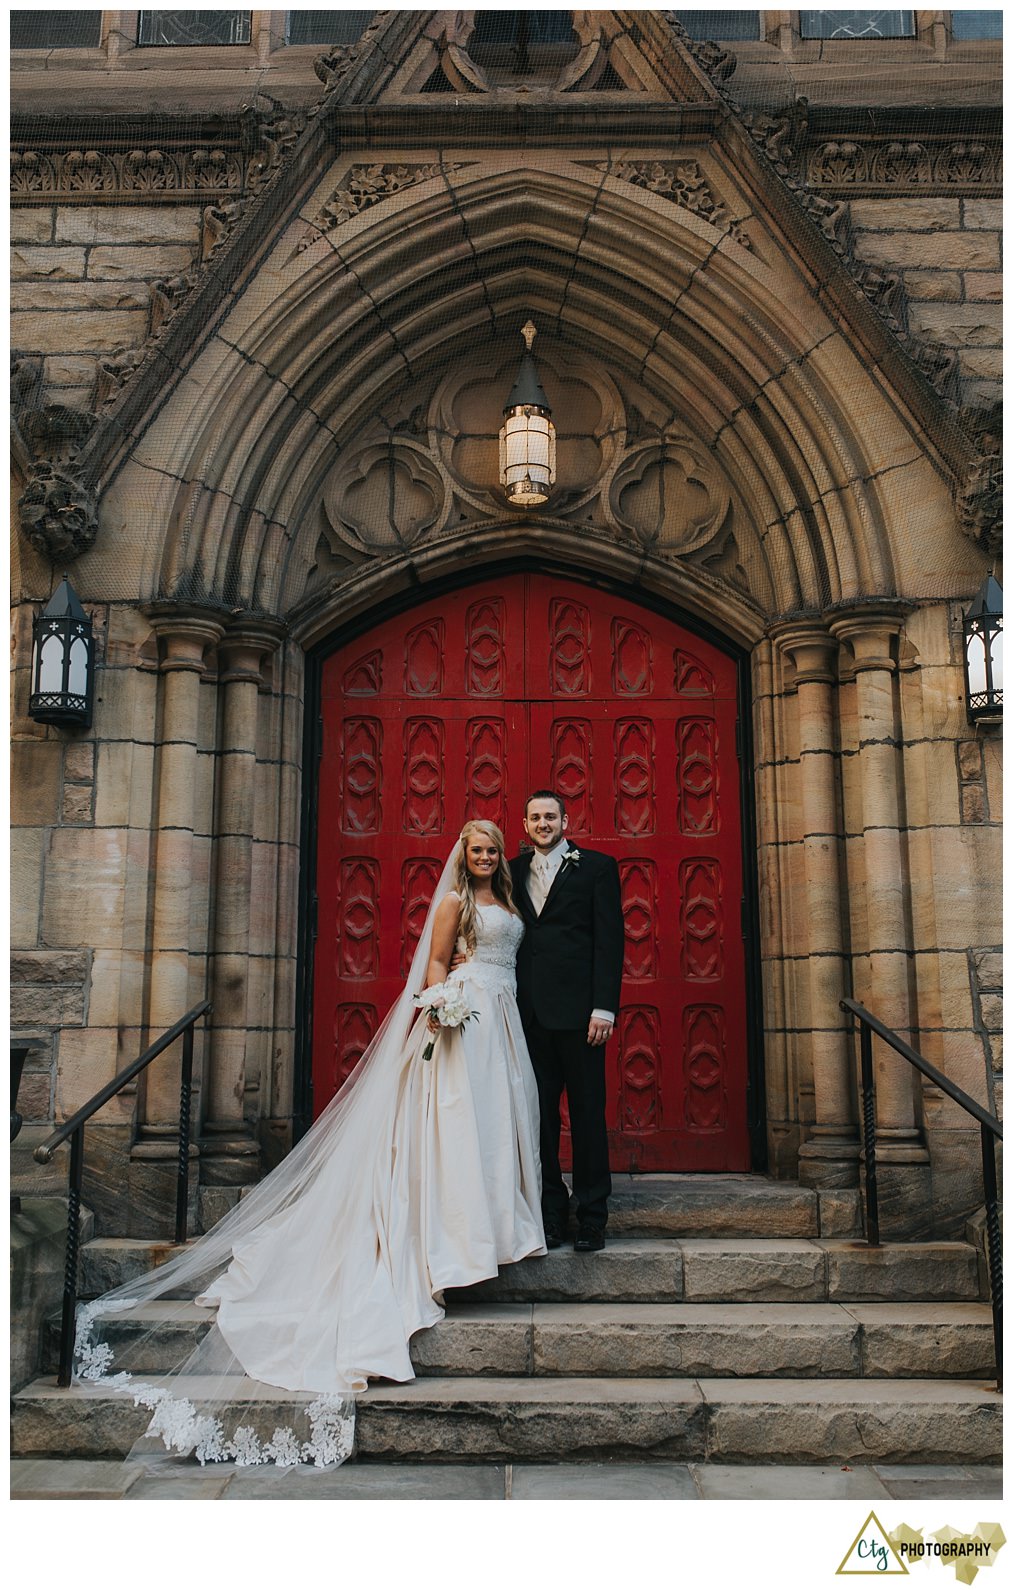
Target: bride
x=421 y=1174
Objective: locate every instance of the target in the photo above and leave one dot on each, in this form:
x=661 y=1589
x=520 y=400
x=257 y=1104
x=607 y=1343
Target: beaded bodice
x=497 y=939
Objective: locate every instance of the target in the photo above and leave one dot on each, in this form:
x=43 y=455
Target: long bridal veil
x=268 y=1379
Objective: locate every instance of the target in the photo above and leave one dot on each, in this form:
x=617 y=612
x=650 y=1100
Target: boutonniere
x=572 y=858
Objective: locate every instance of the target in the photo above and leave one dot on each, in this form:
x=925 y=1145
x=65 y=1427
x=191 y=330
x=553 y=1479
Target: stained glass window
x=721 y=24
x=857 y=24
x=327 y=27
x=56 y=30
x=194 y=27
x=977 y=24
x=542 y=27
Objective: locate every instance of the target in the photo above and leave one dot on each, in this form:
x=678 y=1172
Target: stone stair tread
x=627 y=1242
x=733 y=1314
x=576 y=1388
x=579 y=1419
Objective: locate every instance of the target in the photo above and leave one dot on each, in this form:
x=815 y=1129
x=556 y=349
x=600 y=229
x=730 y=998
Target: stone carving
x=87 y=174
x=683 y=183
x=718 y=62
x=114 y=369
x=334 y=65
x=668 y=495
x=937 y=363
x=836 y=165
x=26 y=382
x=588 y=65
x=32 y=174
x=387 y=498
x=279 y=131
x=885 y=291
x=781 y=135
x=972 y=164
x=979 y=500
x=833 y=217
x=166 y=298
x=58 y=512
x=364 y=186
x=897 y=163
x=217 y=223
x=861 y=164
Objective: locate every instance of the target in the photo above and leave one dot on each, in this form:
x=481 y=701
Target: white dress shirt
x=542 y=875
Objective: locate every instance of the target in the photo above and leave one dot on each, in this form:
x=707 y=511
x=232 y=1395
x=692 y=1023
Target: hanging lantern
x=527 y=438
x=983 y=654
x=63 y=663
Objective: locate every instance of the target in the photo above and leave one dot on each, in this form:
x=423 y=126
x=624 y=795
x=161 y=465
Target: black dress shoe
x=589 y=1240
x=553 y=1237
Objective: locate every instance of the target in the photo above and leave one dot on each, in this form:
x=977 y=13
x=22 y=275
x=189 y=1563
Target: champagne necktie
x=539 y=882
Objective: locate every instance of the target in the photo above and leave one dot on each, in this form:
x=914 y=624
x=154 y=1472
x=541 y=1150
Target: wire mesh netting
x=171 y=177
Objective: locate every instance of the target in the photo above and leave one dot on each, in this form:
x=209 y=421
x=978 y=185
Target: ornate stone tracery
x=362 y=186
x=682 y=182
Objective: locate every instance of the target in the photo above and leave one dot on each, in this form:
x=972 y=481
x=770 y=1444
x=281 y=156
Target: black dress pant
x=566 y=1059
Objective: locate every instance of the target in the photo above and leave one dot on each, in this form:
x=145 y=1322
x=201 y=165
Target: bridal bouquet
x=447 y=1002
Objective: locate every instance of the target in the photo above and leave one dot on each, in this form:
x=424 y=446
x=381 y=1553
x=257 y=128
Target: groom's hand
x=457 y=960
x=598 y=1031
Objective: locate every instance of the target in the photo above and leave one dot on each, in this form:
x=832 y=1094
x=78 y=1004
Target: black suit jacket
x=571 y=957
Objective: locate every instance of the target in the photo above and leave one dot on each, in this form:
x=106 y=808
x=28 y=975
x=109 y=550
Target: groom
x=569 y=968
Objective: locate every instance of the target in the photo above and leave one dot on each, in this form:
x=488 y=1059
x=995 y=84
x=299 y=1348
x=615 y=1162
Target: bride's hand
x=432 y=1022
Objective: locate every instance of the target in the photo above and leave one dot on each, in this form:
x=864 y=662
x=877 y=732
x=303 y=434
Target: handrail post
x=869 y=1136
x=993 y=1242
x=183 y=1165
x=69 y=1318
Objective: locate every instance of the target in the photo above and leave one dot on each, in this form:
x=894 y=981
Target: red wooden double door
x=459 y=708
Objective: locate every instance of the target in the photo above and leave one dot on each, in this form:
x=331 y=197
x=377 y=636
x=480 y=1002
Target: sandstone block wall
x=81 y=283
x=948 y=251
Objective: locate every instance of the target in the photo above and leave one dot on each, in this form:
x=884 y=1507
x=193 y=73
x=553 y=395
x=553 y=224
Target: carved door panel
x=461 y=707
x=634 y=721
x=422 y=723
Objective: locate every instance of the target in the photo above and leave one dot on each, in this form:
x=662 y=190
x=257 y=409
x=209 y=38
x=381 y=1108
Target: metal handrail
x=74 y=1129
x=991 y=1128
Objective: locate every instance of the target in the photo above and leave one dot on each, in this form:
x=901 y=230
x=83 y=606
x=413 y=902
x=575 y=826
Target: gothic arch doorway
x=463 y=703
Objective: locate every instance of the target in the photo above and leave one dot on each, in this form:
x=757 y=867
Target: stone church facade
x=267 y=307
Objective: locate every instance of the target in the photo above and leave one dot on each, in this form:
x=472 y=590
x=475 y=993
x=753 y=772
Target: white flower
x=449 y=1004
x=572 y=858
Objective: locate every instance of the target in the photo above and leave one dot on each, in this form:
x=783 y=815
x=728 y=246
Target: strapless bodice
x=497 y=939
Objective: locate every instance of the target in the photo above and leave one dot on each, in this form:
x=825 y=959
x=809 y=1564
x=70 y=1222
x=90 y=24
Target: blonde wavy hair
x=464 y=888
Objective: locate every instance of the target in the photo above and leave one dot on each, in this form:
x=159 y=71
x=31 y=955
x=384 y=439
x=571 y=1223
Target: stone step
x=581 y=1420
x=638 y=1339
x=670 y=1270
x=729 y=1205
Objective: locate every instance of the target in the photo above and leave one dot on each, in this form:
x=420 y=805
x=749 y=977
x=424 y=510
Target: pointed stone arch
x=729 y=341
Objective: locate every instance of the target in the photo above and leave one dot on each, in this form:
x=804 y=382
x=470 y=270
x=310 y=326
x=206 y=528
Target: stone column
x=230 y=1151
x=829 y=1158
x=184 y=636
x=901 y=1156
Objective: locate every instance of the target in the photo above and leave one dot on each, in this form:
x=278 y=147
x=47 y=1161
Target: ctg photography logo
x=879 y=1551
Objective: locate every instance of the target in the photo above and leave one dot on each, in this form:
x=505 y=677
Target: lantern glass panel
x=51 y=667
x=77 y=684
x=976 y=664
x=997 y=661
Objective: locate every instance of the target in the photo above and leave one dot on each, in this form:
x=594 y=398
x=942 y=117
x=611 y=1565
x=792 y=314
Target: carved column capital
x=244 y=646
x=812 y=649
x=870 y=632
x=184 y=636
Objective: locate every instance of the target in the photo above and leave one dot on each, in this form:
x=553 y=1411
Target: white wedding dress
x=328 y=1293
x=420 y=1175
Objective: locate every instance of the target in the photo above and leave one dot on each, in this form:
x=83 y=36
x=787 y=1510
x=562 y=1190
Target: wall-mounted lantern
x=63 y=662
x=527 y=438
x=983 y=654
